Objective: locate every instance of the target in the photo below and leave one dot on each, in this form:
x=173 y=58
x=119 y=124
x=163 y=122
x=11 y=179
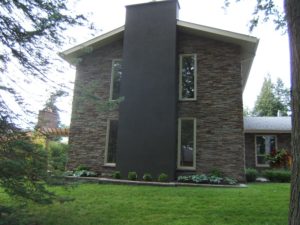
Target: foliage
x=57 y=156
x=162 y=177
x=279 y=159
x=84 y=173
x=132 y=175
x=206 y=179
x=117 y=175
x=23 y=165
x=258 y=204
x=272 y=98
x=278 y=175
x=31 y=32
x=251 y=174
x=147 y=177
x=82 y=167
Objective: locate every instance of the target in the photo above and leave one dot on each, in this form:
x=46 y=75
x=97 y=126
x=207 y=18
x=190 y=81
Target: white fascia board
x=258 y=131
x=83 y=47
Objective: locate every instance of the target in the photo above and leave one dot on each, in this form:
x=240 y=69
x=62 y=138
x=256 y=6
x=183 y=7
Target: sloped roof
x=267 y=124
x=248 y=43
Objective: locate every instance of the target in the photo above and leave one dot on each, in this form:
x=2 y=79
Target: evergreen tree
x=272 y=99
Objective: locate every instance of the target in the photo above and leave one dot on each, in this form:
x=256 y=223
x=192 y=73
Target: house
x=181 y=84
x=264 y=135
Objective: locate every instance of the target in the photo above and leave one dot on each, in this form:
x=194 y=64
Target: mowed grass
x=103 y=204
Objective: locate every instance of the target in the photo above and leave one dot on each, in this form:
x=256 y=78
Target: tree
x=290 y=18
x=273 y=98
x=31 y=32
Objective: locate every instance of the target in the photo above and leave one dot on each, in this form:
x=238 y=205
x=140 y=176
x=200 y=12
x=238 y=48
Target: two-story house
x=181 y=85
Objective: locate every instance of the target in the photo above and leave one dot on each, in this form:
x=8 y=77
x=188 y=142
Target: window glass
x=116 y=79
x=264 y=146
x=112 y=141
x=188 y=76
x=187 y=143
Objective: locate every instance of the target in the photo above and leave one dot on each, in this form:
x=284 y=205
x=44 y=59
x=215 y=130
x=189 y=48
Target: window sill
x=109 y=165
x=186 y=169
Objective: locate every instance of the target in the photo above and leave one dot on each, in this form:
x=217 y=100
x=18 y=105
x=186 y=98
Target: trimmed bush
x=117 y=175
x=251 y=174
x=147 y=177
x=163 y=177
x=132 y=175
x=278 y=175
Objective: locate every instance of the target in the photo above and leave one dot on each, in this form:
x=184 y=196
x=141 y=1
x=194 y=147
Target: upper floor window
x=188 y=77
x=111 y=142
x=265 y=145
x=186 y=143
x=116 y=77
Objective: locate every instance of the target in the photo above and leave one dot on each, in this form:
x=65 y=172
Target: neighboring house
x=182 y=85
x=264 y=134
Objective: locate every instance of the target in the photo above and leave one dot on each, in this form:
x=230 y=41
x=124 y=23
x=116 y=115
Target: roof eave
x=73 y=54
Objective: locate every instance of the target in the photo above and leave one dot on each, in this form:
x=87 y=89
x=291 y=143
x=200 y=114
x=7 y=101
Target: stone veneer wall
x=218 y=108
x=283 y=142
x=89 y=121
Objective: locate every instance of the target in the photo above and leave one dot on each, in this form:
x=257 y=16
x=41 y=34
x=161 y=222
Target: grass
x=100 y=204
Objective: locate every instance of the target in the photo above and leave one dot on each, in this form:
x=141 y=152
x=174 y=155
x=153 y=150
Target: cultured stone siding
x=283 y=142
x=89 y=116
x=218 y=108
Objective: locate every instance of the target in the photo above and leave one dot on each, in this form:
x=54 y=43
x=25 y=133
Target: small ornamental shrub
x=215 y=179
x=84 y=173
x=162 y=177
x=117 y=175
x=251 y=174
x=278 y=175
x=202 y=178
x=147 y=177
x=230 y=181
x=132 y=176
x=216 y=173
x=68 y=173
x=82 y=167
x=185 y=179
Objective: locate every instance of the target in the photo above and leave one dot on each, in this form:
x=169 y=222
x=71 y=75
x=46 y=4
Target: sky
x=272 y=56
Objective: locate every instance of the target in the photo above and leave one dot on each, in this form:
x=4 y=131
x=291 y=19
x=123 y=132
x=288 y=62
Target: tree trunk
x=292 y=9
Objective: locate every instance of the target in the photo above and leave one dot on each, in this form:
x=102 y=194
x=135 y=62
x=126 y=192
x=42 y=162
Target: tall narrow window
x=116 y=77
x=111 y=142
x=265 y=145
x=188 y=77
x=187 y=143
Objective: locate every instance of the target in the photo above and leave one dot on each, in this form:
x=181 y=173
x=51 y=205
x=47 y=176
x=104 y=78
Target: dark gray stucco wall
x=147 y=123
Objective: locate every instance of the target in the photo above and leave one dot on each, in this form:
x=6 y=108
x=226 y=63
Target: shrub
x=278 y=175
x=216 y=173
x=57 y=156
x=163 y=177
x=185 y=178
x=84 y=173
x=230 y=181
x=132 y=175
x=202 y=178
x=251 y=174
x=117 y=175
x=215 y=179
x=82 y=167
x=147 y=177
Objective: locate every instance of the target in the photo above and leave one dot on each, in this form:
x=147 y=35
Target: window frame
x=111 y=88
x=179 y=167
x=107 y=144
x=255 y=149
x=181 y=98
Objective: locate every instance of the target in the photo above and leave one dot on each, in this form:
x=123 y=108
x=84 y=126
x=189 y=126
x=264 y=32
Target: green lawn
x=263 y=204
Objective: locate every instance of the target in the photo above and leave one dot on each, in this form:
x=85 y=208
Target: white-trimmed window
x=111 y=142
x=186 y=143
x=116 y=77
x=264 y=145
x=188 y=77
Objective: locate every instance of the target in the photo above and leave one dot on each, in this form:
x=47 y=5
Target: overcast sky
x=272 y=55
